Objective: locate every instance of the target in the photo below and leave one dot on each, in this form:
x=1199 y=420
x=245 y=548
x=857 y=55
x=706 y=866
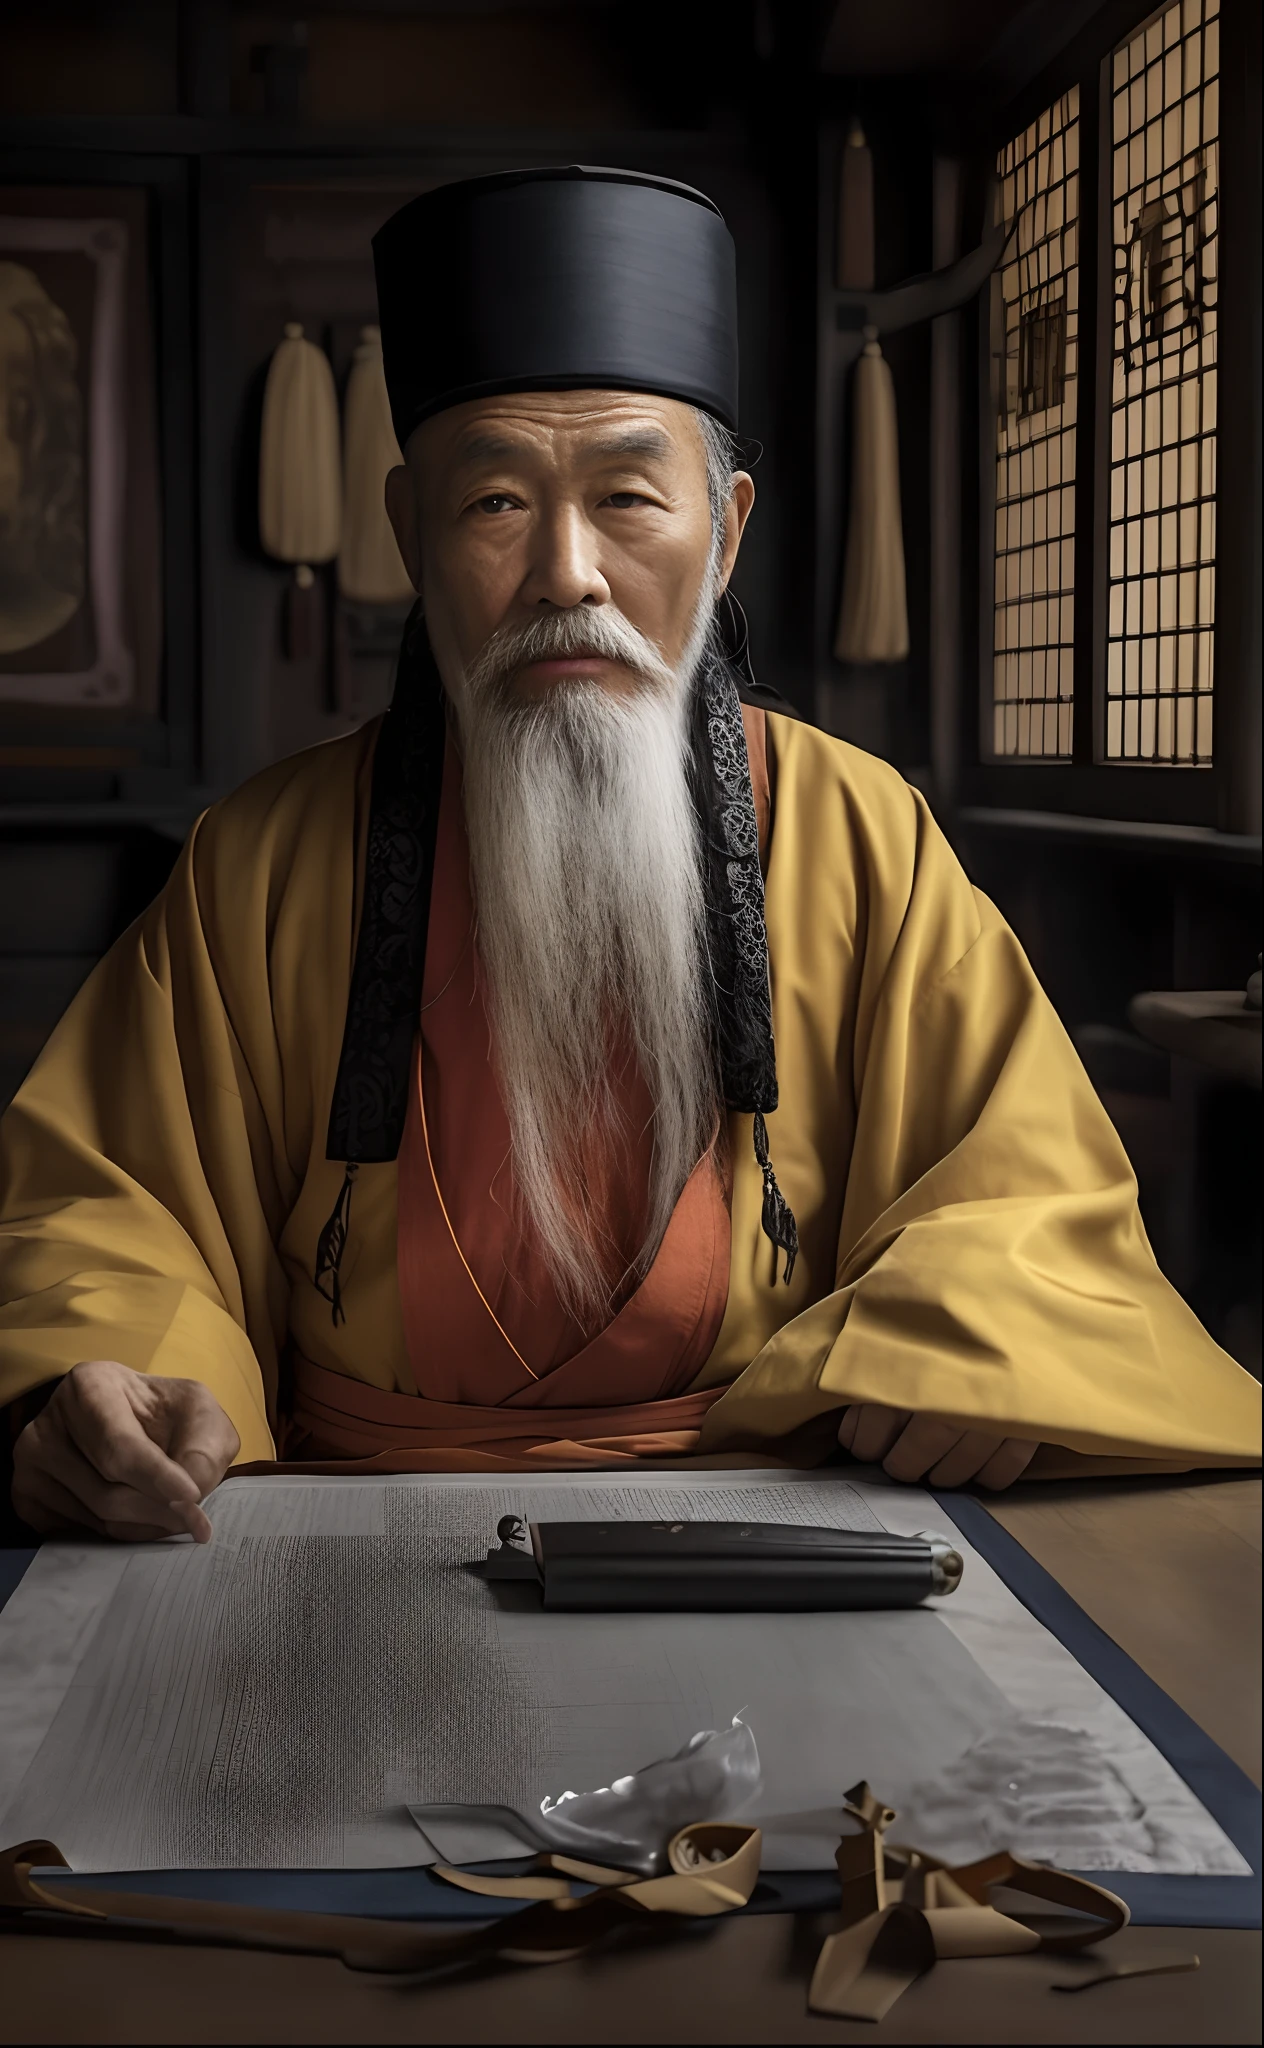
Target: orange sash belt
x=340 y=1425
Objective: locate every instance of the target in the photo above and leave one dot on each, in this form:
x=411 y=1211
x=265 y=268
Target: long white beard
x=583 y=847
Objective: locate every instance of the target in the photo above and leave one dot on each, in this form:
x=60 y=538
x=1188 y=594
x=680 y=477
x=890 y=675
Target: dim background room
x=1072 y=669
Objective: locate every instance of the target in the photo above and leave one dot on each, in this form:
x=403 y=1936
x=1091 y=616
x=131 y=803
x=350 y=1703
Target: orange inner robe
x=505 y=1376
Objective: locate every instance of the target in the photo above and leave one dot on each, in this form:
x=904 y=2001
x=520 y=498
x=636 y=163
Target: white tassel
x=300 y=468
x=370 y=570
x=873 y=615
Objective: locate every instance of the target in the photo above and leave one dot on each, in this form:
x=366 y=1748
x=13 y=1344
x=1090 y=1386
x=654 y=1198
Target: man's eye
x=623 y=501
x=496 y=501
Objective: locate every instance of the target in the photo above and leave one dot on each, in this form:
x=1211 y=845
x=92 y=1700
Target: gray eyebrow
x=647 y=441
x=487 y=448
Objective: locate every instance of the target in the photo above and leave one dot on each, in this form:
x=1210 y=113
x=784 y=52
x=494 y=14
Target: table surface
x=1169 y=1568
x=1211 y=1025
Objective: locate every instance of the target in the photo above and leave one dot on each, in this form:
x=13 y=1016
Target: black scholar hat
x=557 y=280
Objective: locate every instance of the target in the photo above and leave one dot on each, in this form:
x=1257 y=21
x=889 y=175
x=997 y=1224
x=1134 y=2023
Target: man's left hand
x=912 y=1447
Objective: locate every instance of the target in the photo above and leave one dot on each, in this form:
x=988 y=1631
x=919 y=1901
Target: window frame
x=1218 y=795
x=988 y=474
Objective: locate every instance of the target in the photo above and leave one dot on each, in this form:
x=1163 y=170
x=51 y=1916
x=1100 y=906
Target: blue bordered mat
x=1154 y=1901
x=1223 y=1788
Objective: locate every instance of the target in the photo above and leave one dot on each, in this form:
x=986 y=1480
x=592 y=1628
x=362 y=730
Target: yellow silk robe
x=971 y=1244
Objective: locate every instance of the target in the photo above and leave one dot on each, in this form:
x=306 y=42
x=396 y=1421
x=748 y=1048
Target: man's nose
x=563 y=568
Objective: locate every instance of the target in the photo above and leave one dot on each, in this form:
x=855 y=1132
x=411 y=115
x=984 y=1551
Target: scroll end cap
x=946 y=1567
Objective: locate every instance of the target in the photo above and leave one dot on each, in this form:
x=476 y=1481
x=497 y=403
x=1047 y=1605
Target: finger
x=46 y=1448
x=847 y=1427
x=197 y=1522
x=46 y=1506
x=39 y=1503
x=64 y=1462
x=968 y=1455
x=105 y=1427
x=922 y=1444
x=1006 y=1464
x=877 y=1429
x=202 y=1439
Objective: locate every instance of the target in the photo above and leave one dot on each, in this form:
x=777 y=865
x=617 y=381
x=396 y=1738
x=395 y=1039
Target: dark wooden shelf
x=264 y=135
x=170 y=820
x=1137 y=835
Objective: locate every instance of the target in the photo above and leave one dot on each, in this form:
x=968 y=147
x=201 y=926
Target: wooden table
x=1214 y=1026
x=1171 y=1569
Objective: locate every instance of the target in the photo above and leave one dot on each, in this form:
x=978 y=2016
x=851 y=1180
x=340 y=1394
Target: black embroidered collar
x=366 y=1122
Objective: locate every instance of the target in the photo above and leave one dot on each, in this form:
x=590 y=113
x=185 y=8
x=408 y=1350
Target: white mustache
x=600 y=630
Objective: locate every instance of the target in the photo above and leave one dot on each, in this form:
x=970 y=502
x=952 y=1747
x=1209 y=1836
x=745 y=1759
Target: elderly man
x=584 y=1063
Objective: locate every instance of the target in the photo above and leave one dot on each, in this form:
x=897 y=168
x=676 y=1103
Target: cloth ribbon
x=713 y=1870
x=903 y=1911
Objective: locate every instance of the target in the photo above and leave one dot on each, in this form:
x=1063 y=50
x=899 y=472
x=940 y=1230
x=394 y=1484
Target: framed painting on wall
x=80 y=554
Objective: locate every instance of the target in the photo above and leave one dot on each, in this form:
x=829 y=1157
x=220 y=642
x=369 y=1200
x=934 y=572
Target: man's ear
x=736 y=515
x=401 y=510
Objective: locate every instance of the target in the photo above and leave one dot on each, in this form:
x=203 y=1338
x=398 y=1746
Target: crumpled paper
x=629 y=1824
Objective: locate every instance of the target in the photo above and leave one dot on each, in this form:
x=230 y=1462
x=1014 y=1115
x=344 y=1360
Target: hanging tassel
x=370 y=569
x=300 y=476
x=331 y=1244
x=873 y=616
x=855 y=264
x=777 y=1218
x=302 y=619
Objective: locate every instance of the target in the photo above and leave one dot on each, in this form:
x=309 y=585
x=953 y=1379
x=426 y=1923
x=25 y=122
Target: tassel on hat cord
x=331 y=1244
x=778 y=1217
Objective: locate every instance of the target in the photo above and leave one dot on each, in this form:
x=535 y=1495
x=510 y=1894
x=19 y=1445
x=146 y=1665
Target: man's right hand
x=124 y=1454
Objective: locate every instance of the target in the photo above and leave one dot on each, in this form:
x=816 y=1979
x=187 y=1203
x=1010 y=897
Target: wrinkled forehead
x=562 y=430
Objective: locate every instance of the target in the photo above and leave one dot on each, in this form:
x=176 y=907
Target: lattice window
x=1164 y=83
x=1035 y=326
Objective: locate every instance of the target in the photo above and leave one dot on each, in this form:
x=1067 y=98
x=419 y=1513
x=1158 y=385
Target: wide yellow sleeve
x=989 y=1260
x=150 y=1162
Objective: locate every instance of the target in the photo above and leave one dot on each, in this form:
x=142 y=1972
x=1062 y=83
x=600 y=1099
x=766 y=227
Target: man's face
x=534 y=500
